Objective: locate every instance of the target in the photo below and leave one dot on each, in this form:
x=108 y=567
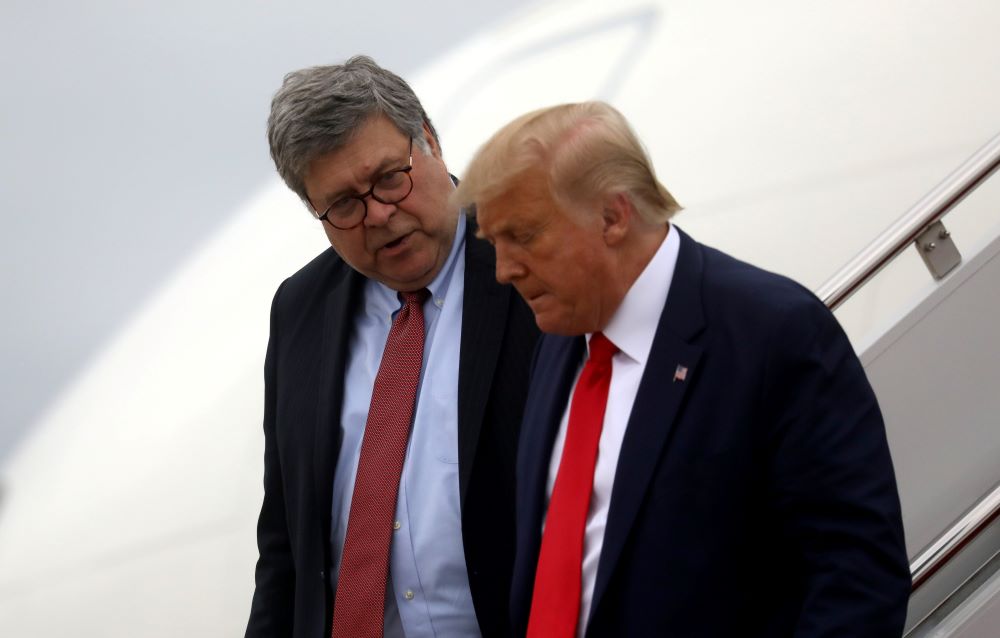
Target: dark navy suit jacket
x=756 y=497
x=311 y=320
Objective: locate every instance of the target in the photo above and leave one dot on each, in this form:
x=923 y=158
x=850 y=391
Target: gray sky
x=129 y=132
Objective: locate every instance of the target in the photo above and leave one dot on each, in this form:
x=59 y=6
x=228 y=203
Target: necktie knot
x=416 y=297
x=601 y=349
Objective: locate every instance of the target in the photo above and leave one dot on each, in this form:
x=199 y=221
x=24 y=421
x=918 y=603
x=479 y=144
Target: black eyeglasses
x=391 y=187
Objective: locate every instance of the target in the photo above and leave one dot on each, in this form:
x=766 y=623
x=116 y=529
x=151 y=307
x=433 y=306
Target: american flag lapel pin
x=680 y=373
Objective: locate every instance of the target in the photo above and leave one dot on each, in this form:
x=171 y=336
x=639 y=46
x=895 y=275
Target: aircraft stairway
x=933 y=365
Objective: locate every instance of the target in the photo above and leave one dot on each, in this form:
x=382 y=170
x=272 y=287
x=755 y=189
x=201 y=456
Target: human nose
x=509 y=267
x=378 y=213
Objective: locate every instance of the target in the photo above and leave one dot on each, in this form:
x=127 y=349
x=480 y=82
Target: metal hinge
x=939 y=252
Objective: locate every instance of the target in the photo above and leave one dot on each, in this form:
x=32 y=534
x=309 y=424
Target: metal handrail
x=876 y=256
x=905 y=230
x=932 y=559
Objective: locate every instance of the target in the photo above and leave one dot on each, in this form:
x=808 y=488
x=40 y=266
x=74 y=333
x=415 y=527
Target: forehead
x=375 y=146
x=527 y=201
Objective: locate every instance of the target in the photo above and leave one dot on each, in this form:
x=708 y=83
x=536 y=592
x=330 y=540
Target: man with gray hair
x=701 y=454
x=395 y=378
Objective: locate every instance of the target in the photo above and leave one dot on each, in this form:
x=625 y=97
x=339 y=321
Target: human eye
x=392 y=179
x=343 y=206
x=522 y=236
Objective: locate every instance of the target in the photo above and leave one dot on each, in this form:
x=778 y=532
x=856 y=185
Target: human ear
x=431 y=142
x=616 y=216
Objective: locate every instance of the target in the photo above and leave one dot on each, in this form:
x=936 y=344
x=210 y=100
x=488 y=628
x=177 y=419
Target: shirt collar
x=439 y=287
x=634 y=323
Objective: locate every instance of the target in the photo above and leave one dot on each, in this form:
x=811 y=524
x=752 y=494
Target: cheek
x=430 y=203
x=426 y=213
x=328 y=231
x=351 y=248
x=578 y=277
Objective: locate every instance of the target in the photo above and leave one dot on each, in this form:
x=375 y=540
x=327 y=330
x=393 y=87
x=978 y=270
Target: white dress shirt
x=631 y=329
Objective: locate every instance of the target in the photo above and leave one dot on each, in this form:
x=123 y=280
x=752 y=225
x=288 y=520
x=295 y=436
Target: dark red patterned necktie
x=359 y=603
x=555 y=603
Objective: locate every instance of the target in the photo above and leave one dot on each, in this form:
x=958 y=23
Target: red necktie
x=359 y=604
x=555 y=603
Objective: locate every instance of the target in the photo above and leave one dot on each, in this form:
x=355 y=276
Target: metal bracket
x=939 y=252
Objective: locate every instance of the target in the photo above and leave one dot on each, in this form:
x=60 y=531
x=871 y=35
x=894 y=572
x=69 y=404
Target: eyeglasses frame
x=325 y=217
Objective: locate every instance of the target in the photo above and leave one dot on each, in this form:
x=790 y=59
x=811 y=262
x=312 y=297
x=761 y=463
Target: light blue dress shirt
x=428 y=593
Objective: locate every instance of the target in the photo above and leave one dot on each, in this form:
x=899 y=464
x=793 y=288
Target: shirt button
x=396 y=525
x=408 y=595
x=439 y=302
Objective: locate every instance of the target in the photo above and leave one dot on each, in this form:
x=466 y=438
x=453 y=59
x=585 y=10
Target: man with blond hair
x=701 y=453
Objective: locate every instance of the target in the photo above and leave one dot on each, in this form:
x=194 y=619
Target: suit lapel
x=338 y=320
x=556 y=362
x=484 y=314
x=656 y=406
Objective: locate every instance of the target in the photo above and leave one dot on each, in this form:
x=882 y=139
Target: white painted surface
x=130 y=511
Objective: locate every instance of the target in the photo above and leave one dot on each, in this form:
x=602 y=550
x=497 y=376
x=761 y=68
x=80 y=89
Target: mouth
x=534 y=298
x=396 y=243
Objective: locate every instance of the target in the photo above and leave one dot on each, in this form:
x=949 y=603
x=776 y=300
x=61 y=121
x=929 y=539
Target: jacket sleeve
x=831 y=479
x=271 y=612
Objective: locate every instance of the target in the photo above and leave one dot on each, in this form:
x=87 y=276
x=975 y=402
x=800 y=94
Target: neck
x=640 y=250
x=633 y=255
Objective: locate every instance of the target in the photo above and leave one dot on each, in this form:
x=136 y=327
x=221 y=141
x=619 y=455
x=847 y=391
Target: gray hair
x=318 y=110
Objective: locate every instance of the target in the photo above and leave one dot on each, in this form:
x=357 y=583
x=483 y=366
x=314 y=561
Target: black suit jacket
x=756 y=497
x=311 y=319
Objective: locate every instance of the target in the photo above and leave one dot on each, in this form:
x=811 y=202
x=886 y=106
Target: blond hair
x=586 y=150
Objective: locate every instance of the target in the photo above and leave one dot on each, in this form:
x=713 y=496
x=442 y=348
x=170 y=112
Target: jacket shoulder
x=746 y=292
x=308 y=286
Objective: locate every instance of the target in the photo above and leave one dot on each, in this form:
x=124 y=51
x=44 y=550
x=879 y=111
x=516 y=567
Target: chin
x=555 y=326
x=416 y=278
